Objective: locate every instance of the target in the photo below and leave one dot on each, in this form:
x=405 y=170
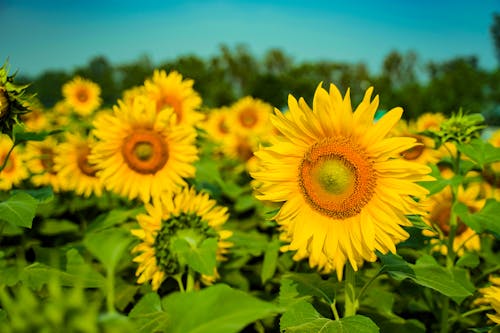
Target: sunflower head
x=82 y=95
x=344 y=188
x=14 y=101
x=490 y=295
x=174 y=227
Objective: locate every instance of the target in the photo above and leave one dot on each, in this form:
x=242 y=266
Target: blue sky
x=63 y=34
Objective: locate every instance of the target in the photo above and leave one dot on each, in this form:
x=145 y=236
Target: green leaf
x=78 y=273
x=148 y=316
x=270 y=260
x=43 y=194
x=113 y=217
x=480 y=151
x=200 y=257
x=468 y=260
x=309 y=284
x=216 y=309
x=427 y=273
x=484 y=220
x=19 y=210
x=20 y=135
x=244 y=203
x=56 y=227
x=303 y=318
x=108 y=245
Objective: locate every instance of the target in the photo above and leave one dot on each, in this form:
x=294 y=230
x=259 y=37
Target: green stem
x=4 y=164
x=190 y=280
x=333 y=306
x=471 y=312
x=178 y=278
x=110 y=295
x=444 y=314
x=351 y=303
x=368 y=283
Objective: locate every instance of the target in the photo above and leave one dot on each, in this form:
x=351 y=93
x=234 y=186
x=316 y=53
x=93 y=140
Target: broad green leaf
x=270 y=260
x=406 y=326
x=200 y=257
x=480 y=151
x=114 y=322
x=43 y=194
x=19 y=210
x=311 y=284
x=114 y=217
x=244 y=203
x=108 y=245
x=303 y=318
x=469 y=260
x=78 y=273
x=9 y=276
x=428 y=273
x=59 y=226
x=216 y=309
x=148 y=316
x=484 y=220
x=250 y=242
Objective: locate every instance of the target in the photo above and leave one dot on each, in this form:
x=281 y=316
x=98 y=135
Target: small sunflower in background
x=439 y=213
x=82 y=95
x=73 y=167
x=188 y=216
x=14 y=169
x=429 y=121
x=344 y=187
x=249 y=116
x=216 y=124
x=491 y=173
x=14 y=102
x=40 y=157
x=173 y=91
x=490 y=295
x=142 y=153
x=425 y=151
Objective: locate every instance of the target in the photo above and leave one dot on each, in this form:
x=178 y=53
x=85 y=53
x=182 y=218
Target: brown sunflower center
x=172 y=101
x=222 y=126
x=416 y=151
x=4 y=102
x=248 y=118
x=337 y=177
x=145 y=151
x=83 y=162
x=441 y=217
x=82 y=95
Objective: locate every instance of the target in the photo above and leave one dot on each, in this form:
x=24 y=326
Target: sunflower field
x=162 y=214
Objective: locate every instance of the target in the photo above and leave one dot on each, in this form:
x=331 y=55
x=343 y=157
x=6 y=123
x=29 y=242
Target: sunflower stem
x=334 y=310
x=190 y=280
x=6 y=160
x=110 y=291
x=351 y=303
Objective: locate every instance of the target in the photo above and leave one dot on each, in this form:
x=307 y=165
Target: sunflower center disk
x=337 y=177
x=414 y=152
x=83 y=162
x=145 y=151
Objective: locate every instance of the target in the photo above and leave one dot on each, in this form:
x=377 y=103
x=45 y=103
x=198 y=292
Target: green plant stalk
x=450 y=254
x=4 y=164
x=351 y=303
x=190 y=280
x=333 y=306
x=110 y=290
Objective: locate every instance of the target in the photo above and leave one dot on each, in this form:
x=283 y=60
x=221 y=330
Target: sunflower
x=142 y=153
x=40 y=158
x=491 y=295
x=172 y=91
x=439 y=212
x=82 y=95
x=15 y=170
x=424 y=152
x=167 y=219
x=250 y=116
x=344 y=186
x=429 y=121
x=73 y=167
x=216 y=124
